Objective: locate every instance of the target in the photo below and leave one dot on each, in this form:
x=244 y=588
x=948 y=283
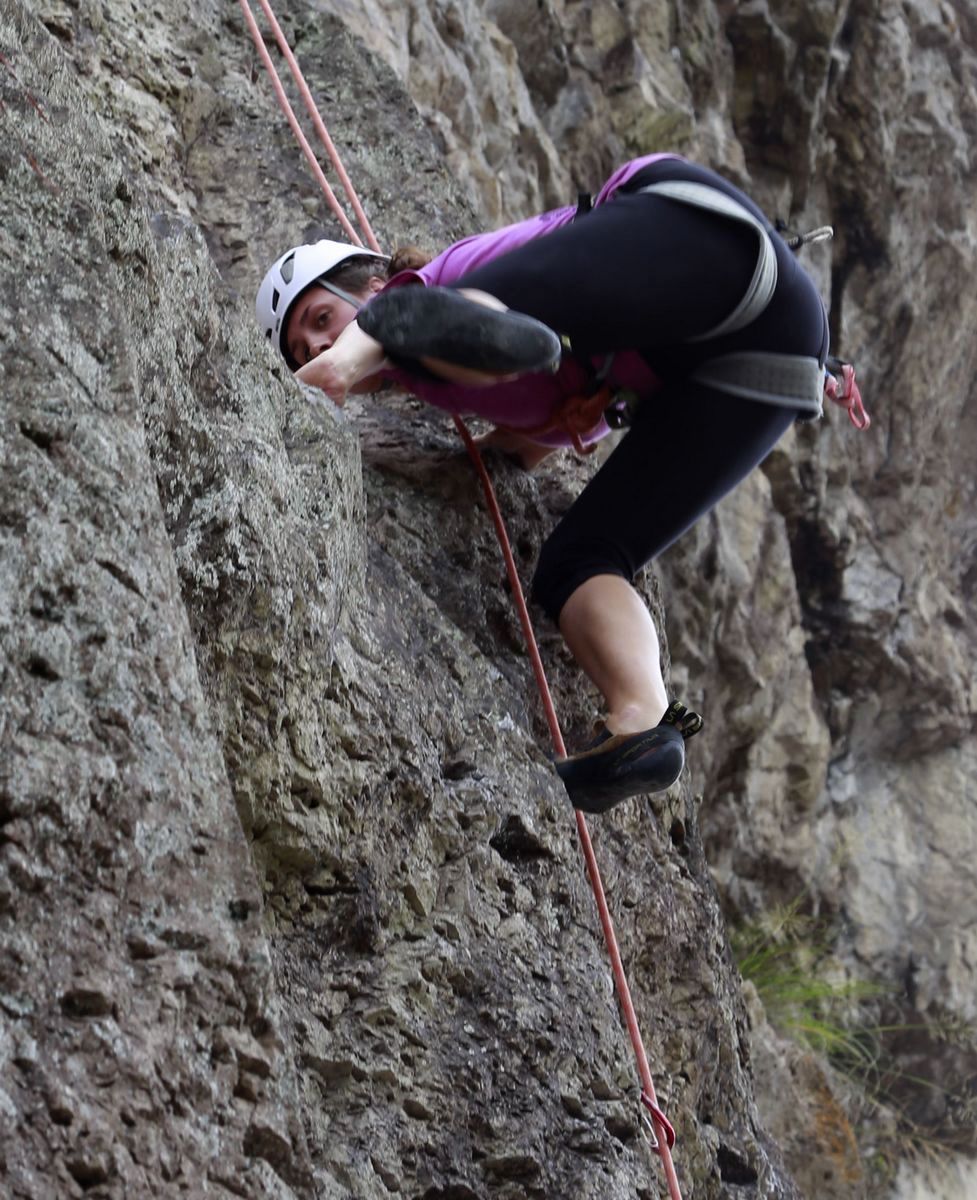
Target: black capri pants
x=645 y=272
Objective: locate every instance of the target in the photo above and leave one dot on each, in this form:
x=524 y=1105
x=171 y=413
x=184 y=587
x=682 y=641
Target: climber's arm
x=347 y=366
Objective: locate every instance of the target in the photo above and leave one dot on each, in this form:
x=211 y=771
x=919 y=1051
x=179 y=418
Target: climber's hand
x=350 y=361
x=325 y=373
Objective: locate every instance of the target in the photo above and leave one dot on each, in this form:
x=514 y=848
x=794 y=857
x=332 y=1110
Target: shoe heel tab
x=688 y=723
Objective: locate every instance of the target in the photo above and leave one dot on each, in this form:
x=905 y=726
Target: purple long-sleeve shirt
x=530 y=402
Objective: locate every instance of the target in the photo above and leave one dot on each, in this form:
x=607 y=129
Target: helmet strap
x=356 y=302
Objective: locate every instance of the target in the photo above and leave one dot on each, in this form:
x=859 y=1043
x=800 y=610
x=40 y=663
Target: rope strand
x=664 y=1134
x=319 y=126
x=302 y=140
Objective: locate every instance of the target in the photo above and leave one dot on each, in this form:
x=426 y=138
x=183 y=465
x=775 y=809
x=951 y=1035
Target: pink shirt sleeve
x=471 y=252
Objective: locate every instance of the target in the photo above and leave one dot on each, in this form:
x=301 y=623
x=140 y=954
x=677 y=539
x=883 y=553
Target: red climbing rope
x=664 y=1134
x=320 y=128
x=286 y=107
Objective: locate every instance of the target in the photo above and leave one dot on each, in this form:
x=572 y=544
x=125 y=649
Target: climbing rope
x=663 y=1135
x=276 y=83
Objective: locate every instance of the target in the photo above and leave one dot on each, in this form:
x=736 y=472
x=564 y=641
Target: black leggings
x=689 y=447
x=646 y=273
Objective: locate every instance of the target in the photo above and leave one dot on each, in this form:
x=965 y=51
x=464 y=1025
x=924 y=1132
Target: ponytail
x=407 y=258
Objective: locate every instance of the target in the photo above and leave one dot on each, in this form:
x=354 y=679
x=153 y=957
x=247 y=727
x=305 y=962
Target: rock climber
x=670 y=305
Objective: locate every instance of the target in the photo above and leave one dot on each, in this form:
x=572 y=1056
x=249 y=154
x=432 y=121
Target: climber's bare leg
x=610 y=633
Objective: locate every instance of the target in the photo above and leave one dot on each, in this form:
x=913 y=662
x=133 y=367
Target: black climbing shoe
x=616 y=766
x=435 y=322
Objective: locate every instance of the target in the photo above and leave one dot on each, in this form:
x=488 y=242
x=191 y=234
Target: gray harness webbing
x=764 y=281
x=785 y=379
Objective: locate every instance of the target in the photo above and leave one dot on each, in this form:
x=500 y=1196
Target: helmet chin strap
x=356 y=302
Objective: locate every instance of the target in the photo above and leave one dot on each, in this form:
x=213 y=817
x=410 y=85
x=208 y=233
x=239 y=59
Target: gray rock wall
x=393 y=980
x=141 y=1036
x=825 y=611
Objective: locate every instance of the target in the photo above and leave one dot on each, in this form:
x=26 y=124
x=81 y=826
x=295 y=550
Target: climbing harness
x=761 y=374
x=580 y=413
x=839 y=376
x=798 y=380
x=761 y=287
x=585 y=204
x=662 y=1133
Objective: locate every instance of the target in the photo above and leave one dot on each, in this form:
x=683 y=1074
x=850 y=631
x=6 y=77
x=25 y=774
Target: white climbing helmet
x=291 y=274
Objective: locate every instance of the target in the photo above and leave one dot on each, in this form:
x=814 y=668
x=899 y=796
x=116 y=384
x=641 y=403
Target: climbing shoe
x=616 y=766
x=436 y=322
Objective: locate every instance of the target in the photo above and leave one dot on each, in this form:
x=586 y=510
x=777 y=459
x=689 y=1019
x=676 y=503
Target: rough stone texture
x=831 y=620
x=141 y=1036
x=803 y=1106
x=302 y=630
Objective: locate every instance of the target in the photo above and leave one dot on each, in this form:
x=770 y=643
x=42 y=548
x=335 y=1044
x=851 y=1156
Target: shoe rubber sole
x=621 y=766
x=420 y=322
x=616 y=766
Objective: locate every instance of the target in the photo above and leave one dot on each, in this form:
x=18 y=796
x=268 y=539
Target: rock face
x=291 y=903
x=141 y=1036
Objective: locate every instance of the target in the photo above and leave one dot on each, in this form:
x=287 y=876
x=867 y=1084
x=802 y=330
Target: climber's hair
x=407 y=258
x=353 y=274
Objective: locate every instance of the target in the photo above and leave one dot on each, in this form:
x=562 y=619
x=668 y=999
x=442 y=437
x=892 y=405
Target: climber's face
x=318 y=317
